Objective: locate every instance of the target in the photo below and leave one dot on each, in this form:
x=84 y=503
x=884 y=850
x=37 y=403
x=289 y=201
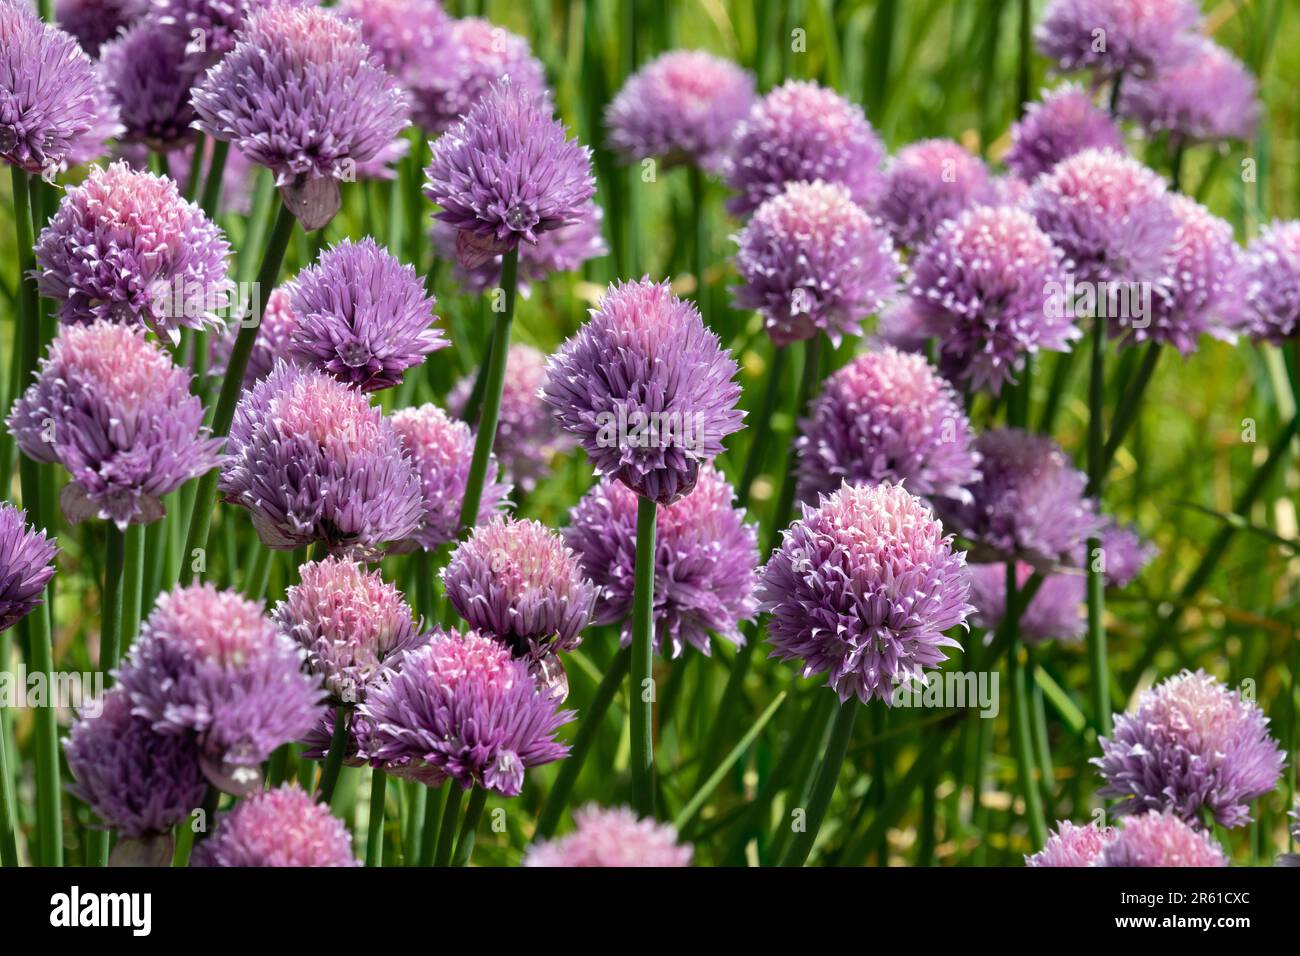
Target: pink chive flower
x=413 y=41
x=1273 y=283
x=280 y=827
x=278 y=324
x=1205 y=95
x=1114 y=37
x=1072 y=845
x=26 y=565
x=926 y=184
x=477 y=55
x=1160 y=840
x=612 y=837
x=1067 y=121
x=1055 y=613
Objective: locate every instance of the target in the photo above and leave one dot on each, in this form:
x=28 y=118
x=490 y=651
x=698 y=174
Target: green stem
x=49 y=791
x=447 y=829
x=196 y=167
x=828 y=775
x=640 y=709
x=133 y=585
x=329 y=774
x=762 y=427
x=212 y=185
x=8 y=842
x=468 y=826
x=375 y=830
x=110 y=644
x=417 y=795
x=1099 y=670
x=1021 y=736
x=1126 y=411
x=700 y=245
x=434 y=808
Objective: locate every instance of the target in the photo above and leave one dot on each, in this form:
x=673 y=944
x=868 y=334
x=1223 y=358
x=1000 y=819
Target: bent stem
x=640 y=707
x=469 y=826
x=828 y=775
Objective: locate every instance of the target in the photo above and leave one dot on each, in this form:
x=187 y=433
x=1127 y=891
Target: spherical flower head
x=301 y=95
x=507 y=173
x=926 y=184
x=706 y=557
x=117 y=413
x=312 y=460
x=1072 y=845
x=886 y=416
x=218 y=22
x=811 y=260
x=353 y=626
x=612 y=836
x=1160 y=840
x=462 y=708
x=801 y=132
x=280 y=827
x=209 y=664
x=1109 y=214
x=138 y=781
x=1113 y=37
x=862 y=589
x=362 y=316
x=517 y=581
x=26 y=565
x=125 y=246
x=1191 y=746
x=95 y=22
x=647 y=390
x=1028 y=504
x=981 y=287
x=409 y=37
x=1066 y=122
x=149 y=77
x=1273 y=283
x=1125 y=553
x=1205 y=95
x=681 y=107
x=1054 y=613
x=50 y=94
x=441 y=450
x=105 y=125
x=276 y=328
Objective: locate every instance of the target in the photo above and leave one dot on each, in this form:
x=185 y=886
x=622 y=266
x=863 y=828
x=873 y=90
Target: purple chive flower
x=528 y=438
x=50 y=94
x=105 y=125
x=280 y=827
x=1072 y=845
x=1192 y=745
x=1109 y=214
x=210 y=665
x=1206 y=95
x=301 y=95
x=862 y=589
x=477 y=55
x=362 y=316
x=462 y=709
x=612 y=837
x=125 y=246
x=216 y=23
x=1066 y=122
x=647 y=390
x=1163 y=840
x=440 y=449
x=926 y=184
x=26 y=565
x=1273 y=283
x=278 y=323
x=1028 y=504
x=886 y=416
x=113 y=409
x=238 y=176
x=901 y=325
x=981 y=287
x=95 y=22
x=811 y=260
x=801 y=132
x=312 y=460
x=507 y=173
x=353 y=626
x=149 y=78
x=1126 y=554
x=1053 y=615
x=1114 y=37
x=413 y=40
x=705 y=562
x=681 y=107
x=139 y=782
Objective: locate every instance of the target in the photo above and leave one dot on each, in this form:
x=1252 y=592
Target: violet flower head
x=149 y=78
x=301 y=95
x=862 y=589
x=117 y=413
x=105 y=125
x=1072 y=845
x=812 y=260
x=353 y=626
x=95 y=22
x=886 y=416
x=26 y=565
x=125 y=246
x=801 y=132
x=478 y=54
x=277 y=325
x=647 y=390
x=681 y=107
x=1160 y=840
x=413 y=41
x=218 y=22
x=901 y=325
x=1028 y=504
x=507 y=173
x=362 y=316
x=210 y=665
x=981 y=289
x=139 y=781
x=1192 y=745
x=1205 y=95
x=1125 y=554
x=1273 y=283
x=926 y=184
x=281 y=827
x=706 y=558
x=1055 y=613
x=613 y=837
x=462 y=709
x=312 y=460
x=1113 y=37
x=1066 y=122
x=50 y=94
x=238 y=176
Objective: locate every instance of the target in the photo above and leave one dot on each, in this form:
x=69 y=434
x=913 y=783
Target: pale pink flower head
x=1114 y=37
x=1160 y=840
x=1072 y=845
x=926 y=184
x=612 y=837
x=1206 y=95
x=281 y=827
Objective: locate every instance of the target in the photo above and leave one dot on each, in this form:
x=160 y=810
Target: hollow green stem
x=1099 y=669
x=434 y=805
x=375 y=830
x=329 y=774
x=447 y=829
x=1127 y=409
x=212 y=185
x=469 y=827
x=640 y=706
x=828 y=775
x=762 y=426
x=1021 y=734
x=110 y=644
